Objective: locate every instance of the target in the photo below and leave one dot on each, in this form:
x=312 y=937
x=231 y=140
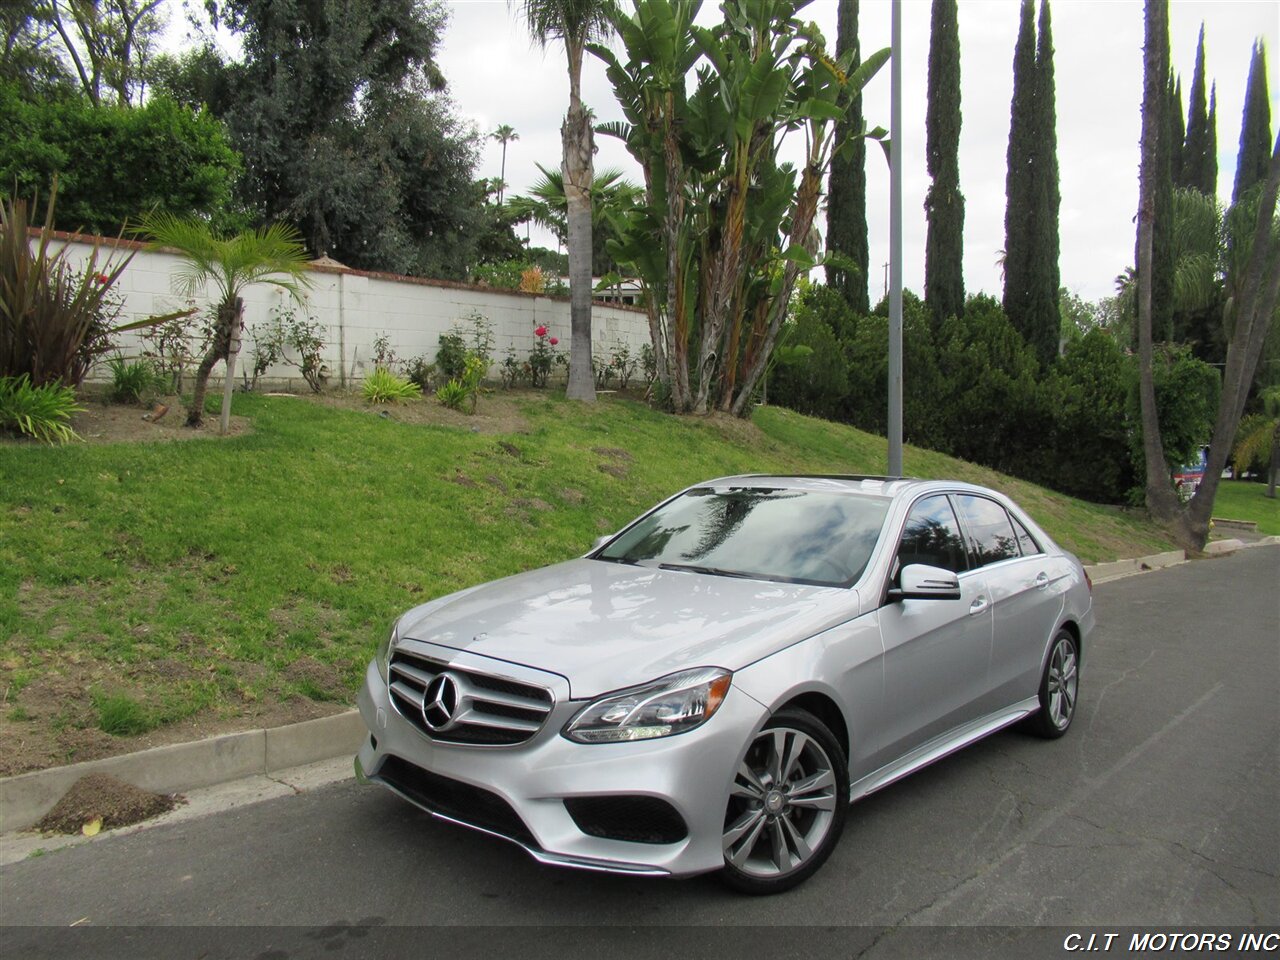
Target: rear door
x=936 y=652
x=1024 y=606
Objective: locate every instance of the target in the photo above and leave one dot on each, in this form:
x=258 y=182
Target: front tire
x=786 y=806
x=1059 y=688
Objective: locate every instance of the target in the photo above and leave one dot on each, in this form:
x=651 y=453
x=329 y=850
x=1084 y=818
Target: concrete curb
x=1105 y=572
x=26 y=798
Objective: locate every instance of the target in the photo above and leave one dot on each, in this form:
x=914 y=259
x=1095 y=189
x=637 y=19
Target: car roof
x=867 y=485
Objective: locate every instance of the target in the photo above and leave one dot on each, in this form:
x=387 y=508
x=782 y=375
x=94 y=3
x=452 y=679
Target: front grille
x=634 y=819
x=453 y=798
x=488 y=710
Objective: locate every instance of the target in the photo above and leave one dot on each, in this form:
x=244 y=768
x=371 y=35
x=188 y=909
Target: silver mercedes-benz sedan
x=711 y=687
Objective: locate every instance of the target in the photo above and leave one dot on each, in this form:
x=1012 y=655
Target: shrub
x=43 y=412
x=169 y=347
x=135 y=382
x=451 y=355
x=419 y=369
x=383 y=386
x=464 y=390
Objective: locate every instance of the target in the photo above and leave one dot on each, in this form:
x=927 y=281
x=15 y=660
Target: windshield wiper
x=714 y=571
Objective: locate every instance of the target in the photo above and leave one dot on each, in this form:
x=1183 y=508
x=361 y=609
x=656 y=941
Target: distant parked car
x=709 y=688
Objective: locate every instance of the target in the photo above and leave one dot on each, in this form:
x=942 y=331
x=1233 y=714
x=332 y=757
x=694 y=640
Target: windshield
x=767 y=534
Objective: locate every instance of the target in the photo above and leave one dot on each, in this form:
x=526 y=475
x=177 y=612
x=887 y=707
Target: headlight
x=385 y=649
x=663 y=708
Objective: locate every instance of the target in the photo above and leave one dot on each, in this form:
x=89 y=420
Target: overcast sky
x=496 y=76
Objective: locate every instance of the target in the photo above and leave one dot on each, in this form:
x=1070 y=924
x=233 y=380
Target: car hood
x=604 y=625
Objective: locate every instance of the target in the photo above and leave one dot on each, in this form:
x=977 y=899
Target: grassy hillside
x=154 y=591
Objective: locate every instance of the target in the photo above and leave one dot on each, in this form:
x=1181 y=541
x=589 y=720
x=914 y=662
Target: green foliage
x=136 y=381
x=54 y=321
x=355 y=149
x=1187 y=392
x=847 y=185
x=41 y=412
x=451 y=355
x=418 y=370
x=122 y=716
x=115 y=163
x=295 y=340
x=383 y=386
x=464 y=390
x=1197 y=167
x=810 y=372
x=173 y=347
x=944 y=204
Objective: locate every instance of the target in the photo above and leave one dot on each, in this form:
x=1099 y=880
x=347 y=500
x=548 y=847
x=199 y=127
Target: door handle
x=977 y=606
x=1042 y=580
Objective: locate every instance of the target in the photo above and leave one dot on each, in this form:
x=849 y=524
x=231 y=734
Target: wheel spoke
x=783 y=857
x=792 y=758
x=798 y=842
x=1069 y=699
x=777 y=750
x=814 y=793
x=747 y=784
x=745 y=834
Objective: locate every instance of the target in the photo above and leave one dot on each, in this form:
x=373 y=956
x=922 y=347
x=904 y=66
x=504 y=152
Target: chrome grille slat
x=476 y=718
x=494 y=710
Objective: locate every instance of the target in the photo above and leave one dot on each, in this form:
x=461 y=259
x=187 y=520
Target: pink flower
x=553 y=341
x=540 y=331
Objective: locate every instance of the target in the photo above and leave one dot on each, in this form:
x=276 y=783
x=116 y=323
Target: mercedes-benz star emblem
x=440 y=702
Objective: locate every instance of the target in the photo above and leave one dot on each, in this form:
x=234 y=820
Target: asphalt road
x=1159 y=809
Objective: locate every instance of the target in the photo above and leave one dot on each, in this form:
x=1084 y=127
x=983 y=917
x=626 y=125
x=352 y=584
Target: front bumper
x=690 y=771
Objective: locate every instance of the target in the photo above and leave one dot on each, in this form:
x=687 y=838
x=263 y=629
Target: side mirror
x=920 y=581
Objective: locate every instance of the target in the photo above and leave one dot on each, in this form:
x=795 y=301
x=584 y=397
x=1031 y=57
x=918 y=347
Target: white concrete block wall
x=357 y=307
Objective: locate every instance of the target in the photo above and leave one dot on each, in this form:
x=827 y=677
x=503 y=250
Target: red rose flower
x=553 y=341
x=103 y=278
x=540 y=331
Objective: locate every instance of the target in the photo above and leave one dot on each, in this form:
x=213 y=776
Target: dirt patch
x=494 y=413
x=569 y=495
x=613 y=470
x=102 y=796
x=315 y=680
x=120 y=423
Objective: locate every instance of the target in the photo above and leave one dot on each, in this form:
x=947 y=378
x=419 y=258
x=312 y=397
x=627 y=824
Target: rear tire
x=1059 y=689
x=786 y=805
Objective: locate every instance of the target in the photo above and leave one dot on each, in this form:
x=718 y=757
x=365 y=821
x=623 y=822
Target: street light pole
x=895 y=243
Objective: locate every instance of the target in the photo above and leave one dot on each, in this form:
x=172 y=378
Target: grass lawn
x=1243 y=500
x=160 y=591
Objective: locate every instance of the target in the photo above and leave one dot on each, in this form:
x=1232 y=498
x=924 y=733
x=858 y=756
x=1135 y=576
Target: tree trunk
x=1161 y=499
x=219 y=349
x=233 y=351
x=578 y=144
x=1274 y=467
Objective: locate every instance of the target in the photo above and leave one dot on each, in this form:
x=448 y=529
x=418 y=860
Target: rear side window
x=1025 y=540
x=932 y=536
x=988 y=529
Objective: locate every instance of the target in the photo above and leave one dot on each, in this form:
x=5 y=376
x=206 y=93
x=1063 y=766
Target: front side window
x=990 y=534
x=758 y=533
x=932 y=536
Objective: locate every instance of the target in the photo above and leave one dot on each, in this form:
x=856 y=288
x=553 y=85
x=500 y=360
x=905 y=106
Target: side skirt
x=942 y=746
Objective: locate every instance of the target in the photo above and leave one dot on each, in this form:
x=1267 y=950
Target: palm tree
x=504 y=135
x=612 y=196
x=273 y=254
x=1259 y=439
x=574 y=22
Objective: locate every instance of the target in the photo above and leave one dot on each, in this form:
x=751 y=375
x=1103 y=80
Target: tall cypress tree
x=944 y=205
x=1194 y=151
x=1255 y=127
x=1045 y=323
x=1211 y=145
x=847 y=189
x=1019 y=202
x=1178 y=132
x=1168 y=147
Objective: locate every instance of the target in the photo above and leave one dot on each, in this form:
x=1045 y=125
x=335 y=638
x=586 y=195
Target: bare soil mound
x=95 y=795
